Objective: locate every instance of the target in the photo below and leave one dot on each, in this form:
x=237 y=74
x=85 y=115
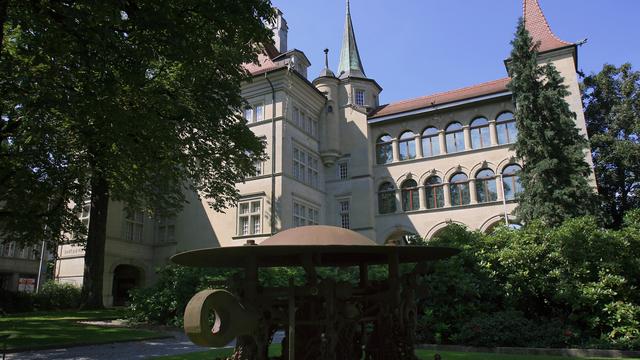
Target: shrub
x=57 y=296
x=15 y=302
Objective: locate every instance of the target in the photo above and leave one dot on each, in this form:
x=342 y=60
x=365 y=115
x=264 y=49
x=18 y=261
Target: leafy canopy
x=144 y=94
x=612 y=109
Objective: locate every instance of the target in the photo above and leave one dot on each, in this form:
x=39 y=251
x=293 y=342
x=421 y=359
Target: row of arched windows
x=486 y=190
x=453 y=138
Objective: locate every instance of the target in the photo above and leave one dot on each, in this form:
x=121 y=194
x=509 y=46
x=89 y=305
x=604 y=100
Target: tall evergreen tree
x=612 y=109
x=555 y=173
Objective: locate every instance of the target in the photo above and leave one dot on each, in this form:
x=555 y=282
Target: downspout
x=273 y=155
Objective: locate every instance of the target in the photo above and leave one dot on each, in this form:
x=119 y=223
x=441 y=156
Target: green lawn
x=40 y=330
x=423 y=354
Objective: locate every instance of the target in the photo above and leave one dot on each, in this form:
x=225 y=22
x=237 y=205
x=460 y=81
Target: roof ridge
x=448 y=91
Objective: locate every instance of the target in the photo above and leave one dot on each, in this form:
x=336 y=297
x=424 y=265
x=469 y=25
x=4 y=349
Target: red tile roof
x=487 y=88
x=265 y=62
x=536 y=23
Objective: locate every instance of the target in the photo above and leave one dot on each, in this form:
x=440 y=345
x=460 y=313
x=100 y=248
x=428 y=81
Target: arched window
x=511 y=181
x=455 y=138
x=486 y=186
x=430 y=142
x=506 y=127
x=459 y=189
x=480 y=133
x=407 y=146
x=384 y=150
x=386 y=198
x=410 y=195
x=435 y=192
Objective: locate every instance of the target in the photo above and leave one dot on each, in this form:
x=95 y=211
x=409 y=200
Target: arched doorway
x=125 y=278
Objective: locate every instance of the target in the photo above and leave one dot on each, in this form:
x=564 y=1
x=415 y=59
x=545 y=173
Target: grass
x=422 y=354
x=41 y=330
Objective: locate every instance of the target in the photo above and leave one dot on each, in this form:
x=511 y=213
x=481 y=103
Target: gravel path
x=178 y=344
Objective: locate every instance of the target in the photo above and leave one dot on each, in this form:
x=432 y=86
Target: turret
x=327 y=83
x=357 y=89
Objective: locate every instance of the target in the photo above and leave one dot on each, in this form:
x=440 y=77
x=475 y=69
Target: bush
x=57 y=296
x=52 y=296
x=510 y=328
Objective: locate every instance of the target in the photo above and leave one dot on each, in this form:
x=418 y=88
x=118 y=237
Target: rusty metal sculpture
x=322 y=319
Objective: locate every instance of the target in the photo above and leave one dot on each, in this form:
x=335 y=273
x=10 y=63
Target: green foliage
x=510 y=328
x=581 y=279
x=555 y=173
x=52 y=296
x=612 y=110
x=58 y=296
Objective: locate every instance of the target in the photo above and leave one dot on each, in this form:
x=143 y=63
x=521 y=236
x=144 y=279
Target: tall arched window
x=410 y=195
x=455 y=138
x=384 y=149
x=430 y=142
x=480 y=133
x=407 y=146
x=435 y=192
x=486 y=186
x=459 y=189
x=386 y=198
x=511 y=181
x=506 y=127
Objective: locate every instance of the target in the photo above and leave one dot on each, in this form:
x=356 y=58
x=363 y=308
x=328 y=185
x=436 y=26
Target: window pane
x=244 y=208
x=259 y=113
x=513 y=131
x=255 y=206
x=248 y=114
x=384 y=153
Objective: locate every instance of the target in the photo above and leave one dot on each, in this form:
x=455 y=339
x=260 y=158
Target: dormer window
x=359 y=97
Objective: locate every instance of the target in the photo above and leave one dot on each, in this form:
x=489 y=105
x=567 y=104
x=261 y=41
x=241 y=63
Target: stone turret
x=327 y=83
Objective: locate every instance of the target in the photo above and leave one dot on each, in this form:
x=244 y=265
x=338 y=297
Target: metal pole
x=40 y=268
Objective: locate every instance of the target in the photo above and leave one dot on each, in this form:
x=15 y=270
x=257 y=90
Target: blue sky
x=418 y=47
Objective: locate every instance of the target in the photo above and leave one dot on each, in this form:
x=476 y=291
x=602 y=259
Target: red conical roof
x=538 y=27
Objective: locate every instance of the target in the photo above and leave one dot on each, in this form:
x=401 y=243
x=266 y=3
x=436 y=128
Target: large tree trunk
x=94 y=253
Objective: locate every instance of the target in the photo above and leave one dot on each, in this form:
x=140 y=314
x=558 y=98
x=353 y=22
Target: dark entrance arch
x=125 y=278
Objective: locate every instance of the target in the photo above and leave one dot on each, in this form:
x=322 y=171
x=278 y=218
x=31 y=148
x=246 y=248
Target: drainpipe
x=273 y=155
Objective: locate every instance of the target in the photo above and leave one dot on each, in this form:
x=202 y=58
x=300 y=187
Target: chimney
x=280 y=30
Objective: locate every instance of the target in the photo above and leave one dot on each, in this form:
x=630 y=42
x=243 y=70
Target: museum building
x=338 y=157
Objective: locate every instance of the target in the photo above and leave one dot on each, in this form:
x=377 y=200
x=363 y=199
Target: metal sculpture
x=323 y=318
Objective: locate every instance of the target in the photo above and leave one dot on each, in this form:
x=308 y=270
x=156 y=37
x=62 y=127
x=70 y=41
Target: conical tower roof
x=537 y=25
x=350 y=63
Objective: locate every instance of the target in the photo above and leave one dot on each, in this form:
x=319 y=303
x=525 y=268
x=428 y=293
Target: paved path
x=179 y=344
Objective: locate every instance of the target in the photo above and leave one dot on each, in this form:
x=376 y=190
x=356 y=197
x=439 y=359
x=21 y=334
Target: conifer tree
x=555 y=173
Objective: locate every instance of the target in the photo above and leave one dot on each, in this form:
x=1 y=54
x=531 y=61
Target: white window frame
x=163 y=234
x=343 y=165
x=356 y=98
x=133 y=225
x=344 y=211
x=304 y=214
x=251 y=215
x=305 y=166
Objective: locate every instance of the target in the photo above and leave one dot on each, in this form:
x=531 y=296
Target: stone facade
x=337 y=157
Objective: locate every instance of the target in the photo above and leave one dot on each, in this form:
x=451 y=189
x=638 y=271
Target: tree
x=135 y=100
x=612 y=108
x=555 y=174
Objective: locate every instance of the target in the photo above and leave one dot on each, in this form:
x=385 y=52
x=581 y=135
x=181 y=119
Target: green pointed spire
x=350 y=63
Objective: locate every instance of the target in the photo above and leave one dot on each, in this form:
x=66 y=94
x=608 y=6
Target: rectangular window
x=258 y=166
x=248 y=114
x=133 y=225
x=250 y=217
x=305 y=167
x=359 y=97
x=304 y=215
x=343 y=170
x=165 y=230
x=259 y=109
x=343 y=211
